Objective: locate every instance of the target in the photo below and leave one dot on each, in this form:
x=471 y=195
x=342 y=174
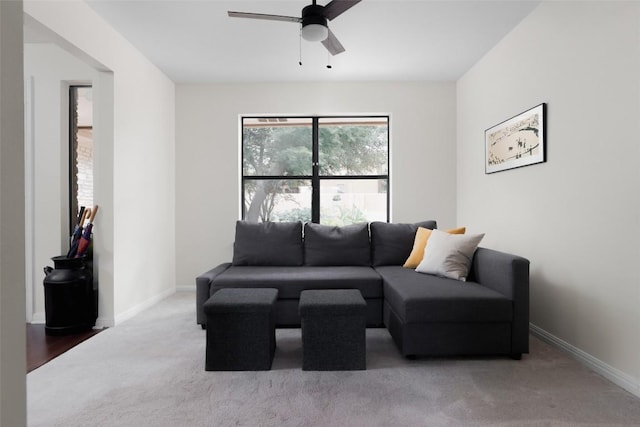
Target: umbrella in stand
x=84 y=241
x=77 y=232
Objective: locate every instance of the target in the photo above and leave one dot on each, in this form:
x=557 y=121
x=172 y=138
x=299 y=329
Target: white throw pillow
x=449 y=255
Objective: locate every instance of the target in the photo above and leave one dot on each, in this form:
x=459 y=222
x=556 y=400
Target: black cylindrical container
x=69 y=297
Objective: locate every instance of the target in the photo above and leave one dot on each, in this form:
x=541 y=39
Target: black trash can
x=70 y=300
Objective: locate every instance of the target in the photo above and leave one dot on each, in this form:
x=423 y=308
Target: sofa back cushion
x=391 y=244
x=268 y=243
x=329 y=245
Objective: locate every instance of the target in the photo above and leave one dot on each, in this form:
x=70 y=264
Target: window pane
x=353 y=146
x=277 y=200
x=349 y=201
x=276 y=146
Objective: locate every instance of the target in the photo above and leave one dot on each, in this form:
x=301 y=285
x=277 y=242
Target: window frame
x=315 y=176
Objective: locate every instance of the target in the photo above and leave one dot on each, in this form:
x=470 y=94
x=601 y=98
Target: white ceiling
x=194 y=41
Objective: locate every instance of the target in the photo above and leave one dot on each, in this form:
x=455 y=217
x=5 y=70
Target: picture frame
x=516 y=142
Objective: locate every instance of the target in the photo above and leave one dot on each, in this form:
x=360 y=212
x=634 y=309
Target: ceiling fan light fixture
x=315 y=32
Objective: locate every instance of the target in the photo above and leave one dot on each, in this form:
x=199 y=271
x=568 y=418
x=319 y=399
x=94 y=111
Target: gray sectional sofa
x=488 y=314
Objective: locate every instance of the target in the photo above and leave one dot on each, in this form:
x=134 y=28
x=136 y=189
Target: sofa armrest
x=509 y=275
x=203 y=290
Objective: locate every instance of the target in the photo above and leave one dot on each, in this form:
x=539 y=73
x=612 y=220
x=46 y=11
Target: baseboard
x=104 y=322
x=614 y=375
x=119 y=318
x=185 y=288
x=101 y=322
x=38 y=318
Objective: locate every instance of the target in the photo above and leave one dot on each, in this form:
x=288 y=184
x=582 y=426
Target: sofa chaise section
x=487 y=314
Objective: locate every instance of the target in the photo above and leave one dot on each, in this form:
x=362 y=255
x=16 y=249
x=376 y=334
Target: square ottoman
x=333 y=330
x=240 y=329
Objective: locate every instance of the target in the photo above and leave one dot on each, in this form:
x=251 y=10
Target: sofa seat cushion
x=423 y=298
x=290 y=281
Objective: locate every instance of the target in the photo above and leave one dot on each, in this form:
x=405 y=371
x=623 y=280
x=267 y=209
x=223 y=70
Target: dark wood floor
x=42 y=348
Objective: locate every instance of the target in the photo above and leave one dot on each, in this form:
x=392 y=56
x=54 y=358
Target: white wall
x=134 y=175
x=207 y=154
x=12 y=299
x=49 y=70
x=575 y=217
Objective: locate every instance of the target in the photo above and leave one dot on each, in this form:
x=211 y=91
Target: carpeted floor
x=149 y=371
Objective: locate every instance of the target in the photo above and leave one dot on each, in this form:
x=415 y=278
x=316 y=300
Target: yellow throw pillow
x=420 y=242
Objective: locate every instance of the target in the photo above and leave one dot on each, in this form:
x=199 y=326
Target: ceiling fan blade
x=337 y=7
x=332 y=44
x=264 y=16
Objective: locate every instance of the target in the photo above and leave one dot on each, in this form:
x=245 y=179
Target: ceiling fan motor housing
x=313 y=14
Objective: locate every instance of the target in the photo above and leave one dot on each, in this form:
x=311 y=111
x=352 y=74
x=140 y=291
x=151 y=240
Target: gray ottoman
x=240 y=329
x=333 y=330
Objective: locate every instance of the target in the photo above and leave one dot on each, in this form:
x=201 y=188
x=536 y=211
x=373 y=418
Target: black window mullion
x=315 y=181
x=243 y=208
x=388 y=169
x=347 y=177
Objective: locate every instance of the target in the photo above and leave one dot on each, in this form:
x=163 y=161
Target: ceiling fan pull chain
x=328 y=60
x=300 y=47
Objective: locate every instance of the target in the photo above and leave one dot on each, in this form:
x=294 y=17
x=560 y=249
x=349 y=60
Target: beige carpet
x=149 y=371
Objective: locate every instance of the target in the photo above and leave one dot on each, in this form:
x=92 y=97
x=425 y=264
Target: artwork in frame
x=516 y=142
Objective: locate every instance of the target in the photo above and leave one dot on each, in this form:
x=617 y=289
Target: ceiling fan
x=314 y=21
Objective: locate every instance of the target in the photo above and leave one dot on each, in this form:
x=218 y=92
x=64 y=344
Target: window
x=80 y=150
x=328 y=170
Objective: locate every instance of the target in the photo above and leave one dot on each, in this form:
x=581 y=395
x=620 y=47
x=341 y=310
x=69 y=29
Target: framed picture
x=518 y=141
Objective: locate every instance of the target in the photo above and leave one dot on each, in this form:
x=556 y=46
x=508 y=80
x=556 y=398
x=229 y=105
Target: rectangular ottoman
x=240 y=329
x=333 y=330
